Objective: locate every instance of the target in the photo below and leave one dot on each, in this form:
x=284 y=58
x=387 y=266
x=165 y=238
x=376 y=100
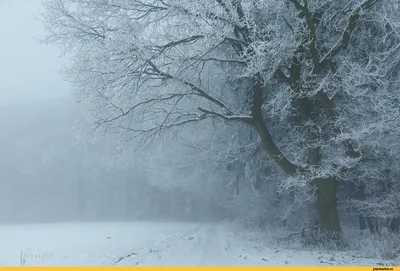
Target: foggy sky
x=29 y=70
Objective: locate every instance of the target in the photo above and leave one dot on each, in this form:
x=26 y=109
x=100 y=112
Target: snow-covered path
x=149 y=243
x=203 y=244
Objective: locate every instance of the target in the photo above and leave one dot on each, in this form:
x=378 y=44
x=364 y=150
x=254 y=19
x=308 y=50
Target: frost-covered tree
x=313 y=78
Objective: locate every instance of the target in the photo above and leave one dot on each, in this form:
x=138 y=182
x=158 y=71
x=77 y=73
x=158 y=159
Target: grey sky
x=29 y=71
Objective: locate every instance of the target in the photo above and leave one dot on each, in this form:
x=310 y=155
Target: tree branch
x=244 y=119
x=146 y=102
x=267 y=141
x=201 y=92
x=344 y=40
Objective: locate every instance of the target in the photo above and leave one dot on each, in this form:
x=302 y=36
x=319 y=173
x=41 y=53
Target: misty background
x=45 y=173
x=29 y=69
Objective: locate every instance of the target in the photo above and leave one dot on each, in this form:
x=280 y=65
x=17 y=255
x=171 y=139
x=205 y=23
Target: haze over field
x=206 y=132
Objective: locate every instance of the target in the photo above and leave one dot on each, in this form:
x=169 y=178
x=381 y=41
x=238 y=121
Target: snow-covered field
x=149 y=243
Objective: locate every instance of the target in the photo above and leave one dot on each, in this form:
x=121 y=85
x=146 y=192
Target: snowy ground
x=144 y=243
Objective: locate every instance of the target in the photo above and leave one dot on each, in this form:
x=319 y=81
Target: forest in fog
x=48 y=176
x=270 y=114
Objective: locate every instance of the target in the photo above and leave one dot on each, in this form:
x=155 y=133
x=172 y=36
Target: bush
x=384 y=246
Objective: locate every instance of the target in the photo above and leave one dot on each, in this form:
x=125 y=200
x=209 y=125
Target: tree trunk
x=327 y=206
x=327 y=188
x=372 y=224
x=360 y=195
x=394 y=225
x=363 y=225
